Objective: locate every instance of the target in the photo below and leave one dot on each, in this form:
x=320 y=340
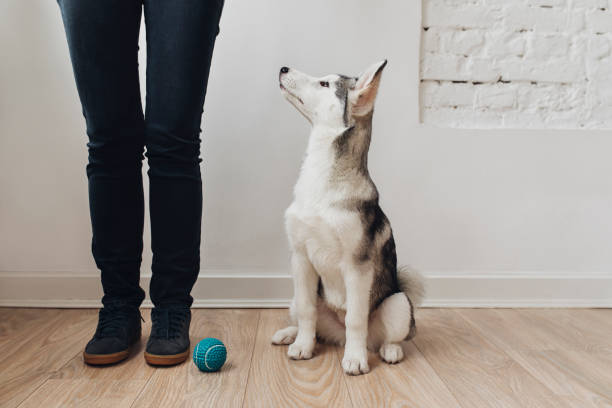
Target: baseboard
x=253 y=289
x=212 y=289
x=520 y=289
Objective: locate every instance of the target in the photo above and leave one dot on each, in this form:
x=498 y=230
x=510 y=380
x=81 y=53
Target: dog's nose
x=284 y=70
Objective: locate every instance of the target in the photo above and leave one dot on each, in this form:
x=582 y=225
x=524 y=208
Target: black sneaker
x=169 y=340
x=118 y=330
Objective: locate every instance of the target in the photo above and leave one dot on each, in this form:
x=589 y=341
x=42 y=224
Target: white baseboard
x=255 y=289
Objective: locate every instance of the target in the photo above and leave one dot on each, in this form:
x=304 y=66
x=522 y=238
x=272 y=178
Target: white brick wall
x=517 y=63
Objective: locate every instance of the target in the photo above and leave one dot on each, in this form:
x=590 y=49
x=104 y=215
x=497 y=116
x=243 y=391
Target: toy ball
x=209 y=354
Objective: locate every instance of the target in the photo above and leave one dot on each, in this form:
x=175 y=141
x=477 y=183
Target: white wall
x=491 y=217
x=517 y=64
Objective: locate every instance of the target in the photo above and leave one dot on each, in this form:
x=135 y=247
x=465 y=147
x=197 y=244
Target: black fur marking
x=382 y=256
x=389 y=256
x=379 y=70
x=412 y=331
x=345 y=117
x=385 y=281
x=343 y=85
x=321 y=290
x=374 y=222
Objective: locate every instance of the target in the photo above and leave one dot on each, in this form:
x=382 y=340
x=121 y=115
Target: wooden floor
x=459 y=358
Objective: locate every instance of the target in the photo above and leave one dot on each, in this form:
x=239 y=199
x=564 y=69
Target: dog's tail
x=411 y=282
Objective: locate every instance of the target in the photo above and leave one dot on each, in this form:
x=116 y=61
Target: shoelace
x=168 y=322
x=112 y=320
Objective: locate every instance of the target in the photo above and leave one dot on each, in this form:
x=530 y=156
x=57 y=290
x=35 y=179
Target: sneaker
x=169 y=340
x=118 y=330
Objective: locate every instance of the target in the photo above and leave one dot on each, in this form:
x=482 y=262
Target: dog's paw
x=391 y=353
x=355 y=363
x=300 y=351
x=285 y=336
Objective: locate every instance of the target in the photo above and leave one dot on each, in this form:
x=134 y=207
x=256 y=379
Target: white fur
x=324 y=238
x=317 y=103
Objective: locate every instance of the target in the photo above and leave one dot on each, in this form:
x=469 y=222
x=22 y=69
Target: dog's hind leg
x=389 y=325
x=329 y=327
x=285 y=336
x=288 y=334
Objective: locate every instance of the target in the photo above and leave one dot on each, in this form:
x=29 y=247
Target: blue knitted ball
x=209 y=354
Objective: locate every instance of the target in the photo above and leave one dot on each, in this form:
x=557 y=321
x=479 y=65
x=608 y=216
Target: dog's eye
x=324 y=84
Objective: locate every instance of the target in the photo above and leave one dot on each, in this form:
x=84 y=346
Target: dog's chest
x=316 y=234
x=323 y=234
x=319 y=226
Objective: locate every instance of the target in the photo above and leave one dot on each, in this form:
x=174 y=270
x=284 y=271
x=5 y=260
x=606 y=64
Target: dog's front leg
x=358 y=284
x=305 y=281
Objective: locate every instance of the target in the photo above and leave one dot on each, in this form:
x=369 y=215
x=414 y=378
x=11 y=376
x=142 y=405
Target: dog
x=348 y=289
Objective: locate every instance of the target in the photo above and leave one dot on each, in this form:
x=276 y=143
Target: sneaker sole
x=166 y=360
x=105 y=359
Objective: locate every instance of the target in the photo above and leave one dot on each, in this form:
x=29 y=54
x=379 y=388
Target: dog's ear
x=362 y=97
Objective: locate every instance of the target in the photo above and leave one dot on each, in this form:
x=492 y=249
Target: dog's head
x=332 y=100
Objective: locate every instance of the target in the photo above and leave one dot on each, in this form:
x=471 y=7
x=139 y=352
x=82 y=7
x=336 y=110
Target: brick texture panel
x=517 y=63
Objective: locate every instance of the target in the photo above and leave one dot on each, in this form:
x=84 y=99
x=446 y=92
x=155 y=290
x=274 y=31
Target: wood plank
x=20 y=326
x=587 y=330
x=580 y=378
x=479 y=357
x=567 y=350
x=35 y=359
x=85 y=393
x=15 y=321
x=544 y=329
x=410 y=383
x=277 y=381
x=78 y=384
x=478 y=373
x=603 y=316
x=185 y=386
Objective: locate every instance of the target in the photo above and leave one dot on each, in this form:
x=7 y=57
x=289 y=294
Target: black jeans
x=103 y=41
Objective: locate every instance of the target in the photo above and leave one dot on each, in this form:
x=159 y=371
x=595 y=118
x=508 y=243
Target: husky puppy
x=348 y=289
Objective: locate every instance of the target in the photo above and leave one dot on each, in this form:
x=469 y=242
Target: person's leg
x=103 y=41
x=180 y=40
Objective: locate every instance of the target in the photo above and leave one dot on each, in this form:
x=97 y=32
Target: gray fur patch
x=383 y=256
x=351 y=166
x=351 y=148
x=343 y=85
x=341 y=144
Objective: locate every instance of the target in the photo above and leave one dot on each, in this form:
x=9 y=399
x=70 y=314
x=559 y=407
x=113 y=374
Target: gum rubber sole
x=166 y=360
x=105 y=359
